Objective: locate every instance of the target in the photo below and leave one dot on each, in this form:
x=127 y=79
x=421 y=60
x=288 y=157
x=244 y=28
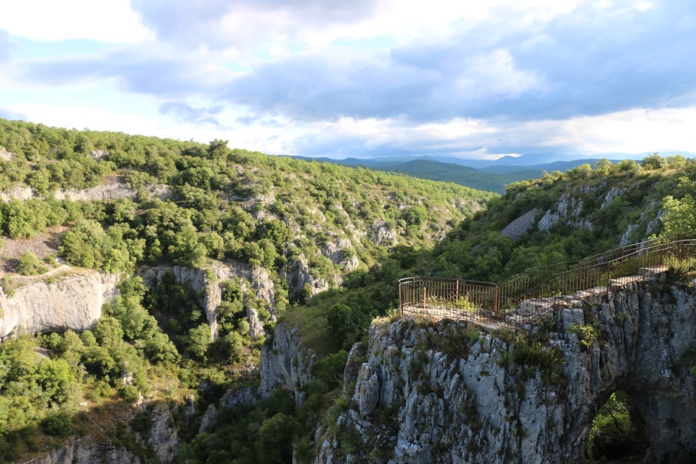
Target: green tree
x=198 y=340
x=29 y=264
x=275 y=439
x=416 y=215
x=680 y=217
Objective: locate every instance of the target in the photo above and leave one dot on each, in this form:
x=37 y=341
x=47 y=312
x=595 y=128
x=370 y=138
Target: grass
x=310 y=322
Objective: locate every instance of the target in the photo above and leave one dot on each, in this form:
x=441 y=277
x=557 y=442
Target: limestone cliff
x=450 y=392
x=285 y=364
x=160 y=440
x=298 y=275
x=71 y=300
x=87 y=450
x=207 y=281
x=112 y=188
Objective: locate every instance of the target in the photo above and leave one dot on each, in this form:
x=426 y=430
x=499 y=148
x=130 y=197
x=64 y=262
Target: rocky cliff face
x=207 y=281
x=162 y=437
x=450 y=392
x=298 y=274
x=88 y=451
x=160 y=440
x=112 y=188
x=71 y=300
x=285 y=364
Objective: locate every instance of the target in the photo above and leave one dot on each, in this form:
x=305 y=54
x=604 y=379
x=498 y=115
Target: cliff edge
x=450 y=392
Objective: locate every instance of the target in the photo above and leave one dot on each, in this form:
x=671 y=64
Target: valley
x=175 y=302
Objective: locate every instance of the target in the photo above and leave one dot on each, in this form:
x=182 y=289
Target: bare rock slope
x=71 y=300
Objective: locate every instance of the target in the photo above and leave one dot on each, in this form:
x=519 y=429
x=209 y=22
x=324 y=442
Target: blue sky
x=360 y=78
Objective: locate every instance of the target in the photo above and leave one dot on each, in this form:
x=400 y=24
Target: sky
x=360 y=78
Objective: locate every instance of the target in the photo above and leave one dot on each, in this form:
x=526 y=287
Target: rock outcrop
x=382 y=234
x=522 y=224
x=72 y=300
x=568 y=208
x=162 y=437
x=112 y=188
x=337 y=252
x=87 y=450
x=6 y=155
x=243 y=396
x=450 y=392
x=298 y=275
x=285 y=364
x=160 y=440
x=207 y=281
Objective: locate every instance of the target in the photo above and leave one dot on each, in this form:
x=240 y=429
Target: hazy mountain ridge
x=477 y=174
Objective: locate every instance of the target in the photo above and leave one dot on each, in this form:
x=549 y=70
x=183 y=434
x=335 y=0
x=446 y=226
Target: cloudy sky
x=360 y=78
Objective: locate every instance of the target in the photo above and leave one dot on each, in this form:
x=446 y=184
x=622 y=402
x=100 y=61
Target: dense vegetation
x=270 y=213
x=222 y=201
x=611 y=202
x=191 y=203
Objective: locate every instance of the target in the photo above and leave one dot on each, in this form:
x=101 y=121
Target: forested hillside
x=266 y=232
x=214 y=246
x=558 y=218
x=563 y=217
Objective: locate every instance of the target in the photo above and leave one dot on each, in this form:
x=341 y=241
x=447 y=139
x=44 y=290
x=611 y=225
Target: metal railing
x=521 y=299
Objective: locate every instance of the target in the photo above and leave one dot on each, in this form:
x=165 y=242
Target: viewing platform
x=520 y=302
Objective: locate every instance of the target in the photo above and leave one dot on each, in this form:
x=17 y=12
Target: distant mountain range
x=490 y=175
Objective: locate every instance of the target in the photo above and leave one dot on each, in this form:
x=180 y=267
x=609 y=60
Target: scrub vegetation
x=271 y=212
x=182 y=203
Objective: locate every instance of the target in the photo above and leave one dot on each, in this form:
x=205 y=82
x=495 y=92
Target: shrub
x=130 y=393
x=8 y=287
x=101 y=390
x=58 y=425
x=275 y=439
x=29 y=264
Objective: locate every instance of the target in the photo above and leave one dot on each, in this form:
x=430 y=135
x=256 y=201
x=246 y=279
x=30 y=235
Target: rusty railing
x=520 y=300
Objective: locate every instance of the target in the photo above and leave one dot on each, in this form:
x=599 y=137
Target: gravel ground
x=43 y=245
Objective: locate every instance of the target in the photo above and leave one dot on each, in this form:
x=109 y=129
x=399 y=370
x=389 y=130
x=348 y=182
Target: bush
x=59 y=425
x=330 y=369
x=101 y=390
x=130 y=393
x=29 y=264
x=198 y=340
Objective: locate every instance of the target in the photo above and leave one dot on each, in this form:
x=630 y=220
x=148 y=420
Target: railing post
x=495 y=301
x=401 y=301
x=425 y=291
x=662 y=252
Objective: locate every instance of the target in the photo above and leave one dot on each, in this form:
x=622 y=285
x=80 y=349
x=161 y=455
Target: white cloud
x=373 y=77
x=633 y=131
x=636 y=131
x=110 y=21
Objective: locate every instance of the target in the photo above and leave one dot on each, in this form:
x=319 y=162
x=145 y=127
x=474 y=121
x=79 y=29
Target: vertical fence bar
x=495 y=302
x=401 y=301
